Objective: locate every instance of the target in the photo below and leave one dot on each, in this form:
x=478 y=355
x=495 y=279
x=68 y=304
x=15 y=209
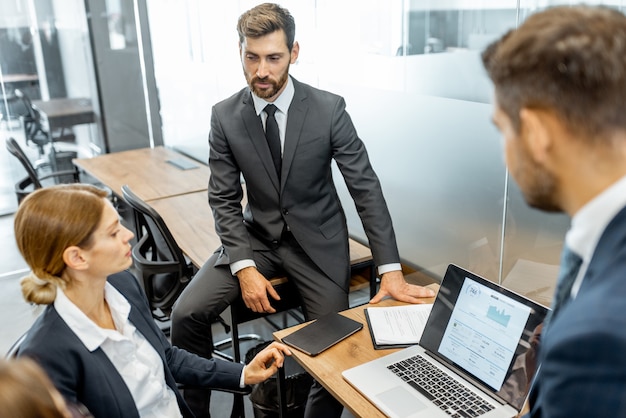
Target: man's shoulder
x=236 y=98
x=309 y=90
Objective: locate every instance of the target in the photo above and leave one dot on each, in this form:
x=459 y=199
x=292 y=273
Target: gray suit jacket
x=318 y=130
x=91 y=379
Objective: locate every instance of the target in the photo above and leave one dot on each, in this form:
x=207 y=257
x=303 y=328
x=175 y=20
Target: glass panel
x=45 y=53
x=122 y=31
x=422 y=109
x=533 y=239
x=18 y=70
x=411 y=74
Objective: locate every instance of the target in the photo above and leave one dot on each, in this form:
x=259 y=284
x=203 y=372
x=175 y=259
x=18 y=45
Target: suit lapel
x=147 y=329
x=257 y=136
x=295 y=121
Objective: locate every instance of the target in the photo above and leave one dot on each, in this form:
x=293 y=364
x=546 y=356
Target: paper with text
x=398 y=324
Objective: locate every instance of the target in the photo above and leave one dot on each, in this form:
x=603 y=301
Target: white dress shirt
x=589 y=223
x=132 y=355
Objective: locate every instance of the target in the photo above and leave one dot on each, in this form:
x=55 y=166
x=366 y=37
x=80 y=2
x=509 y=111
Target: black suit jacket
x=91 y=379
x=318 y=130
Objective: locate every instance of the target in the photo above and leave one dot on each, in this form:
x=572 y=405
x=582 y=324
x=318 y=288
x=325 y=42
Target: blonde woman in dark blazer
x=97 y=339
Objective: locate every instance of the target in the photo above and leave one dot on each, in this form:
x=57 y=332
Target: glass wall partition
x=411 y=74
x=45 y=55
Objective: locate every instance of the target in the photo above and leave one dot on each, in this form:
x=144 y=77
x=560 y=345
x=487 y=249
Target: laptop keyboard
x=443 y=390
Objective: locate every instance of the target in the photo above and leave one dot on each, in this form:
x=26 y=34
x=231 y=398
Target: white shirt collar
x=589 y=223
x=90 y=334
x=282 y=102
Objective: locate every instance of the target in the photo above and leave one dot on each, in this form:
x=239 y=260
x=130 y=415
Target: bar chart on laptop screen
x=483 y=332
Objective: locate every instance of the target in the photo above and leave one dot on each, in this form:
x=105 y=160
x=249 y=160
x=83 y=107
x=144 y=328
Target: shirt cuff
x=241 y=264
x=242 y=383
x=386 y=268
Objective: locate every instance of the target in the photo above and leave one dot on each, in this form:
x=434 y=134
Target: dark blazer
x=583 y=351
x=91 y=379
x=318 y=130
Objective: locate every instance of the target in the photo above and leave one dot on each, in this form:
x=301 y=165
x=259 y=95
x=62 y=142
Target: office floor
x=16 y=316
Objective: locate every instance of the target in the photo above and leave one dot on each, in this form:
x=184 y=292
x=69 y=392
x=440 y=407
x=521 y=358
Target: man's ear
x=295 y=51
x=535 y=128
x=74 y=258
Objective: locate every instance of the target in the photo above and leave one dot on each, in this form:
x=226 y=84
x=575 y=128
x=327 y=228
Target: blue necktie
x=273 y=137
x=570 y=265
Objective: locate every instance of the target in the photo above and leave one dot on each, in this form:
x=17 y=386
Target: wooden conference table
x=179 y=196
x=190 y=220
x=357 y=349
x=148 y=173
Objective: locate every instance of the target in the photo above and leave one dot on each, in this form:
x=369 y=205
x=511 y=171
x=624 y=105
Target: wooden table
x=190 y=221
x=65 y=112
x=148 y=174
x=357 y=349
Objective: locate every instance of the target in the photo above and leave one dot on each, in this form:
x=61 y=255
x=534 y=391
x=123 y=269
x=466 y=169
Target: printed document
x=396 y=325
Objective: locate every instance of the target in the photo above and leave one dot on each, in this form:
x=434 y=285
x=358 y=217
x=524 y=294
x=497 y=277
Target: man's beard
x=267 y=93
x=539 y=187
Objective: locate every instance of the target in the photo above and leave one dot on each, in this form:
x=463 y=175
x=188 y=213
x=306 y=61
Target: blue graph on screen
x=498 y=316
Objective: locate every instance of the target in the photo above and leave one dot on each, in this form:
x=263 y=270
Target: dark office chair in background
x=36 y=176
x=36 y=133
x=31 y=119
x=162 y=266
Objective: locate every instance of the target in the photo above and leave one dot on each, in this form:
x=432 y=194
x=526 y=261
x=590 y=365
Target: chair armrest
x=54 y=174
x=24 y=183
x=154 y=267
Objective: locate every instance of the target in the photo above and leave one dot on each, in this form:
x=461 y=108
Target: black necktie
x=273 y=137
x=570 y=265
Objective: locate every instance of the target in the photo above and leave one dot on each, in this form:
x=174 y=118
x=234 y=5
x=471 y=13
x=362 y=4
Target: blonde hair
x=47 y=222
x=26 y=391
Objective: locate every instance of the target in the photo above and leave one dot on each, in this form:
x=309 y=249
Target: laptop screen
x=486 y=331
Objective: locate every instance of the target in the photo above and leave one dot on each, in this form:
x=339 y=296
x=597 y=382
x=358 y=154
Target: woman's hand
x=265 y=364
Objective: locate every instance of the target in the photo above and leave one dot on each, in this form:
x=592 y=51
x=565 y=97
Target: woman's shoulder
x=48 y=338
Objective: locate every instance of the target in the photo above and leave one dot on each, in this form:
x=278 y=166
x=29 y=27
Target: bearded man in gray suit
x=293 y=223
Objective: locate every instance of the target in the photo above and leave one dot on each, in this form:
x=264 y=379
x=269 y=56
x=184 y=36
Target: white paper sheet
x=398 y=324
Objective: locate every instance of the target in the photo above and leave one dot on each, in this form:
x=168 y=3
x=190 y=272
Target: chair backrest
x=21 y=187
x=33 y=128
x=163 y=267
x=28 y=105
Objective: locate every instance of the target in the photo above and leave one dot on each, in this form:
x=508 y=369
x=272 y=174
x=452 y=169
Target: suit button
x=285 y=212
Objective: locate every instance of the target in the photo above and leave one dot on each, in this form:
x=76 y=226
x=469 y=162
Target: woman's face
x=110 y=251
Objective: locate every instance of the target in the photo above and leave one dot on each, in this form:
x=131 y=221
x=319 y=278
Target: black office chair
x=35 y=132
x=164 y=270
x=34 y=179
x=31 y=119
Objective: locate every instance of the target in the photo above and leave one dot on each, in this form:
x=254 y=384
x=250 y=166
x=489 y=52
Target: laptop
x=471 y=358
